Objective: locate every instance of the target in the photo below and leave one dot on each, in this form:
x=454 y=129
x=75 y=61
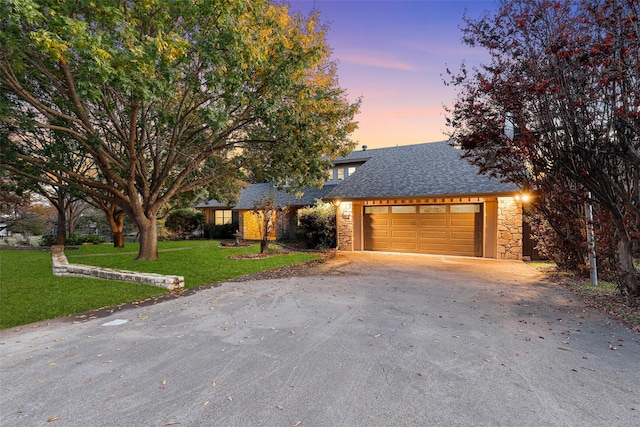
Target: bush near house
x=318 y=225
x=183 y=222
x=221 y=231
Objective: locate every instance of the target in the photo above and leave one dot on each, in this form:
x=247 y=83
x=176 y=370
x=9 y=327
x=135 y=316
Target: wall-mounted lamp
x=523 y=197
x=346 y=210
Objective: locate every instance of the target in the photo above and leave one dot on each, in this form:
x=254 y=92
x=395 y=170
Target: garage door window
x=433 y=209
x=376 y=209
x=403 y=209
x=465 y=208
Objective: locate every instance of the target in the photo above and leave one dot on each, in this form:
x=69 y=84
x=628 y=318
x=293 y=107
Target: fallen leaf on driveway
x=52 y=419
x=280 y=407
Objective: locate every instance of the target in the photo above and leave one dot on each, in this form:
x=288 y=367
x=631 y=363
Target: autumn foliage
x=564 y=81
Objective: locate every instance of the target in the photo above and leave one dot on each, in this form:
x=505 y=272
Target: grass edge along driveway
x=29 y=292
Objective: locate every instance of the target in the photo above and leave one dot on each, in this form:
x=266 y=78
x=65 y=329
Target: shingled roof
x=422 y=170
x=254 y=193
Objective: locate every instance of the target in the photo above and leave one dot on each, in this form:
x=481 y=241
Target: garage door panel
x=433 y=234
x=433 y=222
x=377 y=221
x=404 y=234
x=463 y=234
x=433 y=248
x=462 y=222
x=403 y=246
x=404 y=222
x=379 y=233
x=435 y=231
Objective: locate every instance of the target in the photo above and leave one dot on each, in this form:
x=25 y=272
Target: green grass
x=29 y=292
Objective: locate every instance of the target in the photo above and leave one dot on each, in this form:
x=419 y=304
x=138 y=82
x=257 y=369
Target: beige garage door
x=431 y=229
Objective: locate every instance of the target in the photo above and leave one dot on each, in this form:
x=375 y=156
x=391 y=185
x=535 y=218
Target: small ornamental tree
x=267 y=213
x=564 y=75
x=318 y=225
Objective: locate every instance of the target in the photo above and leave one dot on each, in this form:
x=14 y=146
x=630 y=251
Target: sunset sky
x=394 y=54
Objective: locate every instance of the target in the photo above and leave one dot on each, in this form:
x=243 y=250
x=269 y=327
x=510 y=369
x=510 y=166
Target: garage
x=446 y=229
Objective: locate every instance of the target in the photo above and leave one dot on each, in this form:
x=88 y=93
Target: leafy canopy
x=167 y=98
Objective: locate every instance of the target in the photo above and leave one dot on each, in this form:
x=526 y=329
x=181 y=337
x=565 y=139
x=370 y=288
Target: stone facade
x=344 y=225
x=61 y=267
x=509 y=228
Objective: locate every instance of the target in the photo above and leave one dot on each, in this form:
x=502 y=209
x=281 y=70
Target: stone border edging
x=61 y=267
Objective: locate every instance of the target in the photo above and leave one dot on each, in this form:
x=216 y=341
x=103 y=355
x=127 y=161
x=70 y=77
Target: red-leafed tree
x=566 y=76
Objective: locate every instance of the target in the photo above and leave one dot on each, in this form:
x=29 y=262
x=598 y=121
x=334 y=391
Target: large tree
x=566 y=75
x=168 y=97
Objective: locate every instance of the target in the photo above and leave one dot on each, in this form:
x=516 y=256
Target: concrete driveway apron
x=366 y=340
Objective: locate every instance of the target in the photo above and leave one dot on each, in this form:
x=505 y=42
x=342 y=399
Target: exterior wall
x=491 y=229
x=509 y=228
x=344 y=226
x=249 y=226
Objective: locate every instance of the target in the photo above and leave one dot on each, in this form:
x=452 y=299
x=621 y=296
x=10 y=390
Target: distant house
x=420 y=198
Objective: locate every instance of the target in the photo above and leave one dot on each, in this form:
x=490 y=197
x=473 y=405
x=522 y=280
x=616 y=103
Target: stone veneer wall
x=344 y=225
x=509 y=228
x=61 y=267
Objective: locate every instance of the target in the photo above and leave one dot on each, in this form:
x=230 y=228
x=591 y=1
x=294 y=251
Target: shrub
x=224 y=231
x=184 y=221
x=318 y=225
x=48 y=239
x=75 y=239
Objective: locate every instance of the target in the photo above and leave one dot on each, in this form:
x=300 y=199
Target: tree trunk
x=116 y=222
x=61 y=229
x=627 y=271
x=148 y=238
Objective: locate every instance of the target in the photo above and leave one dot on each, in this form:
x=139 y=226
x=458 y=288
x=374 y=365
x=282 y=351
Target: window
x=340 y=174
x=330 y=175
x=351 y=170
x=223 y=217
x=376 y=209
x=403 y=209
x=465 y=208
x=433 y=209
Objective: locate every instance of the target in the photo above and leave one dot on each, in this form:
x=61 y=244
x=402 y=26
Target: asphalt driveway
x=367 y=340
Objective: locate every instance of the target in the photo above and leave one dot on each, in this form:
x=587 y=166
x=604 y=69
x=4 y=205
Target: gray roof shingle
x=430 y=169
x=254 y=193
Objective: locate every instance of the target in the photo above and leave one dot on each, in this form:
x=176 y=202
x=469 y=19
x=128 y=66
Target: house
x=248 y=224
x=421 y=198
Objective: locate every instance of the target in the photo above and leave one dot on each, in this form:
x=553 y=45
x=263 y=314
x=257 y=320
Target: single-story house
x=421 y=198
x=241 y=212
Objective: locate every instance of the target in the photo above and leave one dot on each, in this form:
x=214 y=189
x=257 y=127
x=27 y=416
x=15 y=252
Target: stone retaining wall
x=61 y=267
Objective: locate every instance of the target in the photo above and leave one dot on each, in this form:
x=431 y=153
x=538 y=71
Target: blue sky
x=394 y=53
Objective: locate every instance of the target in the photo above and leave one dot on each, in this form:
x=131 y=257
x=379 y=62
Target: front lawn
x=29 y=292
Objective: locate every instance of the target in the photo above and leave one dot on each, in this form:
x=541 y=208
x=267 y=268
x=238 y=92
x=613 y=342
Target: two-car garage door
x=454 y=229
